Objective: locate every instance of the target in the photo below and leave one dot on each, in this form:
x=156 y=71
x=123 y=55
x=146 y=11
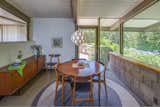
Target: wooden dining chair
x=51 y=65
x=58 y=80
x=101 y=78
x=82 y=85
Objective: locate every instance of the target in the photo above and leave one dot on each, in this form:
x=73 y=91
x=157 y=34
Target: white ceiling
x=44 y=8
x=150 y=13
x=87 y=8
x=90 y=21
x=136 y=23
x=4 y=21
x=106 y=8
x=4 y=13
x=146 y=18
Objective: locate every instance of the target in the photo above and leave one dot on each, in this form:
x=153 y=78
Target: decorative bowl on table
x=80 y=64
x=83 y=64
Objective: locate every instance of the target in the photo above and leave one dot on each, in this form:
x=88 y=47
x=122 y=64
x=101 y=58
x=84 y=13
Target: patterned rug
x=118 y=96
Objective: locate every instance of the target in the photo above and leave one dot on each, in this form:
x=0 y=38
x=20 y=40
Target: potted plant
x=37 y=50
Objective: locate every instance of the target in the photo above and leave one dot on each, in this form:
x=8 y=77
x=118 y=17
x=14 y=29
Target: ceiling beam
x=138 y=9
x=133 y=29
x=12 y=20
x=13 y=10
x=74 y=10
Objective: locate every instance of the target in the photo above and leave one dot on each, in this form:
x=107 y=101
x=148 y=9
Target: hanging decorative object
x=78 y=38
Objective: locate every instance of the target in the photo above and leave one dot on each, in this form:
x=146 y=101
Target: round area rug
x=117 y=96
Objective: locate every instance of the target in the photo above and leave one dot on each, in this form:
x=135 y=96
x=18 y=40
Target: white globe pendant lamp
x=78 y=37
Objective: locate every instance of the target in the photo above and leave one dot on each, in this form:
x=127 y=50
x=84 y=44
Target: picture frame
x=58 y=42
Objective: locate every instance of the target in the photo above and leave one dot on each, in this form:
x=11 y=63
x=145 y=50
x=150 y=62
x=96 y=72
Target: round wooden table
x=71 y=68
x=90 y=68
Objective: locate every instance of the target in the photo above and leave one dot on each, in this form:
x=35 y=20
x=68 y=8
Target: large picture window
x=143 y=46
x=142 y=37
x=12 y=28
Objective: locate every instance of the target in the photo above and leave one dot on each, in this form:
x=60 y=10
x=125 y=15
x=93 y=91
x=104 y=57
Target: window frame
x=16 y=12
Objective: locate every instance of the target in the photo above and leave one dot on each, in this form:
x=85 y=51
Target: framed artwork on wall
x=58 y=42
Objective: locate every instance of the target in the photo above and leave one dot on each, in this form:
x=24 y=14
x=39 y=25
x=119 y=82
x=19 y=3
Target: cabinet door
x=5 y=83
x=28 y=71
x=41 y=63
x=17 y=81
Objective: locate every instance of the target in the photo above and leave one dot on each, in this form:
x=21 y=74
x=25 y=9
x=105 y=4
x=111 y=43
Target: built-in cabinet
x=11 y=81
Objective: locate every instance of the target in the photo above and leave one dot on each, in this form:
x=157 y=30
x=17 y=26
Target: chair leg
x=99 y=91
x=57 y=83
x=105 y=86
x=73 y=92
x=46 y=69
x=91 y=95
x=63 y=89
x=72 y=97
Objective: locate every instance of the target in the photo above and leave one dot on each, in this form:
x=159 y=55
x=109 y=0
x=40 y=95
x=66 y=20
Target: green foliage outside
x=90 y=35
x=109 y=41
x=145 y=58
x=143 y=41
x=147 y=41
x=140 y=41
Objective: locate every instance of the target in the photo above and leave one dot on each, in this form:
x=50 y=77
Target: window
x=142 y=37
x=98 y=46
x=109 y=39
x=88 y=49
x=12 y=29
x=143 y=46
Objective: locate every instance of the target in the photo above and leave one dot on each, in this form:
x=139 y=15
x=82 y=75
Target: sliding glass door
x=88 y=49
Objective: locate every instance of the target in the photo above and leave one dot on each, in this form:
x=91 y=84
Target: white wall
x=45 y=29
x=9 y=51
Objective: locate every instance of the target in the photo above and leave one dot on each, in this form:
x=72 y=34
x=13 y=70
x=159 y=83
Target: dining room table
x=80 y=69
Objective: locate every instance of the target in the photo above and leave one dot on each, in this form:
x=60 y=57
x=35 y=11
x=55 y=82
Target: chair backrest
x=105 y=69
x=57 y=56
x=78 y=59
x=51 y=57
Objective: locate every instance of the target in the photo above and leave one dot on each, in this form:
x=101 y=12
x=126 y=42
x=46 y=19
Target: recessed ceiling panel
x=44 y=8
x=106 y=8
x=139 y=23
x=152 y=12
x=107 y=22
x=88 y=22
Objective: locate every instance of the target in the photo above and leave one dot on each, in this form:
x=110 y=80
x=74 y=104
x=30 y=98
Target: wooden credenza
x=11 y=81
